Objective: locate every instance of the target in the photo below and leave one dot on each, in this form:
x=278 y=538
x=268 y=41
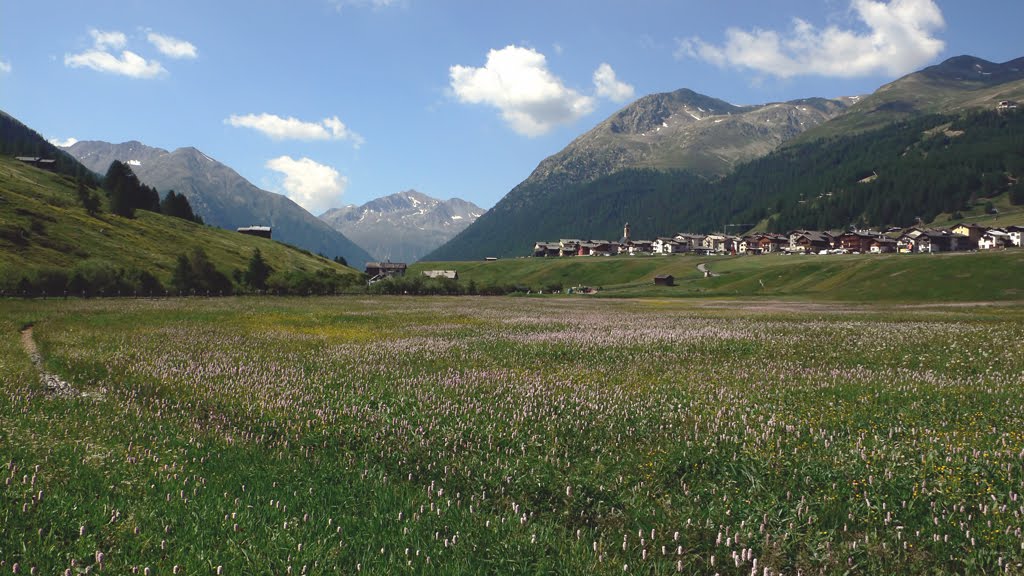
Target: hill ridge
x=679 y=130
x=220 y=195
x=712 y=146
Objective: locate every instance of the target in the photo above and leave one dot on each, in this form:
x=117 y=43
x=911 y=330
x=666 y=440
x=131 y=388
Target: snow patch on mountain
x=403 y=226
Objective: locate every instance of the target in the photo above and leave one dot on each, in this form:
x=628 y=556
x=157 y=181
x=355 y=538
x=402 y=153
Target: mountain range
x=221 y=196
x=60 y=235
x=680 y=130
x=671 y=159
x=682 y=140
x=402 y=227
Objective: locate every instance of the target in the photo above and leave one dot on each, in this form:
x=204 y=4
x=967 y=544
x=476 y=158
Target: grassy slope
x=65 y=235
x=274 y=436
x=897 y=278
x=1007 y=214
x=909 y=96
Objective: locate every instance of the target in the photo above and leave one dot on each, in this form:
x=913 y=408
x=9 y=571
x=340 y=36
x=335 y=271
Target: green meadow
x=514 y=435
x=906 y=278
x=44 y=230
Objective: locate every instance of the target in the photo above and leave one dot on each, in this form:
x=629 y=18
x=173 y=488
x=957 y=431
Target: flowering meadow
x=510 y=436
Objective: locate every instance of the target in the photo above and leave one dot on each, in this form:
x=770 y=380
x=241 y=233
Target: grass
x=1006 y=214
x=494 y=435
x=909 y=96
x=980 y=276
x=39 y=209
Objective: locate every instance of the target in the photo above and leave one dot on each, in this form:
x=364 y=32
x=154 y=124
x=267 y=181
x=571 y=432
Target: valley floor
x=511 y=435
x=894 y=278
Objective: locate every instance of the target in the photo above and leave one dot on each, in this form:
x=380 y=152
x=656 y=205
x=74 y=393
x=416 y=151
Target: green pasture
x=513 y=435
x=42 y=226
x=963 y=277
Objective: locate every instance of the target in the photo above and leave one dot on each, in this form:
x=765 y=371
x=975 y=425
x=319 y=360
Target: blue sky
x=342 y=101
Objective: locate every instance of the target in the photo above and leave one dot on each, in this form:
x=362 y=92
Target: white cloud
x=5 y=67
x=129 y=63
x=608 y=86
x=314 y=186
x=100 y=58
x=172 y=47
x=108 y=40
x=517 y=81
x=899 y=38
x=66 y=143
x=291 y=128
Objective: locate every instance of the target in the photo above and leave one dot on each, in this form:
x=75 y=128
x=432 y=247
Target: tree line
x=194 y=274
x=898 y=175
x=16 y=139
x=126 y=194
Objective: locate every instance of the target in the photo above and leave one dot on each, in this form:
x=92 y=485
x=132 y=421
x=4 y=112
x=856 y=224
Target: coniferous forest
x=895 y=176
x=20 y=140
x=127 y=194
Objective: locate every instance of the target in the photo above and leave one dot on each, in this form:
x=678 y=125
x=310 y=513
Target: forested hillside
x=17 y=139
x=889 y=177
x=59 y=236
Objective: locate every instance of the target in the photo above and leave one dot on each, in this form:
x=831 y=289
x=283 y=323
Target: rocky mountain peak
x=403 y=226
x=650 y=112
x=402 y=201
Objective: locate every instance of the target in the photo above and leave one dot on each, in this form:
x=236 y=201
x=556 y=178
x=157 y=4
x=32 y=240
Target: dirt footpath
x=51 y=382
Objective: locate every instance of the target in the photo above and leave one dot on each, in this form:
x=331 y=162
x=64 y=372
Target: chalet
x=261 y=231
x=665 y=246
x=664 y=280
x=948 y=241
x=907 y=241
x=928 y=240
x=379 y=270
x=545 y=249
x=640 y=247
x=568 y=246
x=688 y=242
x=749 y=245
x=593 y=248
x=857 y=241
x=1006 y=105
x=771 y=243
x=809 y=241
x=450 y=274
x=717 y=243
x=882 y=245
x=974 y=232
x=43 y=163
x=995 y=239
x=1015 y=233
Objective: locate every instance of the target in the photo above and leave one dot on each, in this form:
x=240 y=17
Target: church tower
x=625 y=232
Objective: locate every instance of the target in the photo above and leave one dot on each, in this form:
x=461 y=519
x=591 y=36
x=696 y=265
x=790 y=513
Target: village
x=917 y=239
